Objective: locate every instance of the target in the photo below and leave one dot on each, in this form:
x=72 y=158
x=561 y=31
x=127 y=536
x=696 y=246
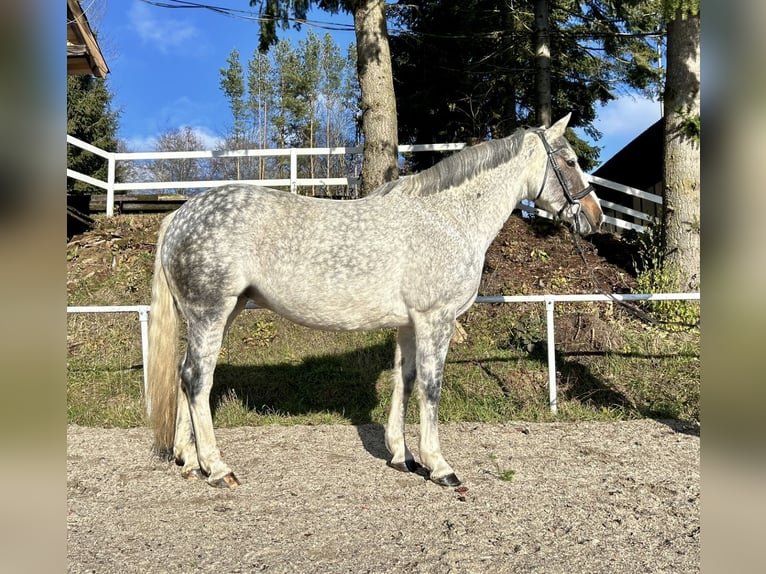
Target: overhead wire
x=251 y=16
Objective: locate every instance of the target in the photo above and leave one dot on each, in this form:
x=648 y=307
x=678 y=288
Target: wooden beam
x=79 y=33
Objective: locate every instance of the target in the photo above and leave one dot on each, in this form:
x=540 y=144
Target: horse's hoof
x=193 y=474
x=406 y=466
x=226 y=481
x=447 y=480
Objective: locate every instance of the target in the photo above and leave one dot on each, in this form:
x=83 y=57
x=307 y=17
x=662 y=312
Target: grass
x=272 y=371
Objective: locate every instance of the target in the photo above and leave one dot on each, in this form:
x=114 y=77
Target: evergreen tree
x=378 y=104
x=232 y=84
x=467 y=70
x=260 y=102
x=91 y=118
x=293 y=97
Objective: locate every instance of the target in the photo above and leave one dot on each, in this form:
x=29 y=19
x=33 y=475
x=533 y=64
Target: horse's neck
x=483 y=204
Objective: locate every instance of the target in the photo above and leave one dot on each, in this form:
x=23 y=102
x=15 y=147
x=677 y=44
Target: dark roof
x=638 y=164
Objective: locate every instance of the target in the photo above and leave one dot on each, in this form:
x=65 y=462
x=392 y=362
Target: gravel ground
x=584 y=497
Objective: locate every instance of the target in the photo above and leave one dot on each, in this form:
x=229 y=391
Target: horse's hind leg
x=404 y=380
x=185 y=447
x=205 y=336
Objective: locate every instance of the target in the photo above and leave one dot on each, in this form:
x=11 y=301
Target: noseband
x=572 y=198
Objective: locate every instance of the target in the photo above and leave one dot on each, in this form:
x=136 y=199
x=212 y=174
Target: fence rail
x=549 y=300
x=293 y=181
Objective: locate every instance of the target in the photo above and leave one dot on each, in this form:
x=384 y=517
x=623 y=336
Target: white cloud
x=210 y=141
x=163 y=33
x=140 y=143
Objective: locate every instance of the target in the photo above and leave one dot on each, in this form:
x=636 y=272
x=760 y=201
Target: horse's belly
x=338 y=311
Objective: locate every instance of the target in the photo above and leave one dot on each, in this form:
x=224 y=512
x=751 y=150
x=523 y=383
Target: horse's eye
x=571 y=163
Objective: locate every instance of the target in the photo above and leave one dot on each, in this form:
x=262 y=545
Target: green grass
x=273 y=371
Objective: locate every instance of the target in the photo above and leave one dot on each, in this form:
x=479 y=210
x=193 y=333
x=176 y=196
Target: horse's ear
x=557 y=129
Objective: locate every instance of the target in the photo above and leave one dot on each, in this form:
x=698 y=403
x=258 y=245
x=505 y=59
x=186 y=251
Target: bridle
x=572 y=198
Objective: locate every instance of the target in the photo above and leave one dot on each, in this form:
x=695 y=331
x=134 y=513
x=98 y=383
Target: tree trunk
x=380 y=157
x=543 y=62
x=681 y=173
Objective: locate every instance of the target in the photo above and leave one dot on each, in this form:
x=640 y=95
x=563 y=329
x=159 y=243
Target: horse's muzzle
x=585 y=225
x=584 y=217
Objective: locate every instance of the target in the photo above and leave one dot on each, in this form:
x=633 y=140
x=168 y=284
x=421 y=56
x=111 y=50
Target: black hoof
x=406 y=466
x=226 y=481
x=410 y=466
x=447 y=480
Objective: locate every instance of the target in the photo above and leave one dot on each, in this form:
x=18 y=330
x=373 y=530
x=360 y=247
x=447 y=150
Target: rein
x=573 y=199
x=634 y=310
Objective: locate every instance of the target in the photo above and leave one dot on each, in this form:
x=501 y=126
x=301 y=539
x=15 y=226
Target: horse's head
x=565 y=191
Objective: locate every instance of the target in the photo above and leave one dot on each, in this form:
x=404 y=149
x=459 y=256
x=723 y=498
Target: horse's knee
x=431 y=391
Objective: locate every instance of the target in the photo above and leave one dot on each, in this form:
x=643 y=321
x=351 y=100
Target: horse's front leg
x=433 y=332
x=404 y=380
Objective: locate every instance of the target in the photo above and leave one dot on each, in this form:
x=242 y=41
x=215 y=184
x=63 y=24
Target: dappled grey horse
x=409 y=256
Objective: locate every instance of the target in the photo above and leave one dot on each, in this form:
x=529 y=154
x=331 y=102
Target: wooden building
x=637 y=165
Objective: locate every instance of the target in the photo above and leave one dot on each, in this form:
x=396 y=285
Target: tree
x=292 y=97
x=681 y=174
x=185 y=169
x=91 y=118
x=233 y=85
x=379 y=121
x=260 y=102
x=543 y=61
x=337 y=107
x=468 y=70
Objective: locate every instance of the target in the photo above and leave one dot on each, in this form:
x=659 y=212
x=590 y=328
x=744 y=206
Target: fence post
x=143 y=317
x=293 y=171
x=552 y=395
x=110 y=185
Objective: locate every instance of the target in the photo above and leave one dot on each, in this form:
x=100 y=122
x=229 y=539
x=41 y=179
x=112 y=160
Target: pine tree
x=378 y=104
x=467 y=70
x=91 y=118
x=294 y=97
x=233 y=86
x=260 y=102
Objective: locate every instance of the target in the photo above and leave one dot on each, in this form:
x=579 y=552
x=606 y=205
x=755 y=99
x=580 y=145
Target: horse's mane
x=457 y=168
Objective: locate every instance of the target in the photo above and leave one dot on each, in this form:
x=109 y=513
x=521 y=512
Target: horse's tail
x=162 y=371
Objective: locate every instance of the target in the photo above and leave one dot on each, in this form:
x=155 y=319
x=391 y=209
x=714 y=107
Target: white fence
x=293 y=182
x=549 y=300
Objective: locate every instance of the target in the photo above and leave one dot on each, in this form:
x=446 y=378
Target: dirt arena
x=583 y=497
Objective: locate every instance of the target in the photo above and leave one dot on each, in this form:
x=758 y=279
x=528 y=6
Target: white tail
x=162 y=394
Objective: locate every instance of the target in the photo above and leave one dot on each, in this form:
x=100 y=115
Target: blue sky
x=164 y=67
